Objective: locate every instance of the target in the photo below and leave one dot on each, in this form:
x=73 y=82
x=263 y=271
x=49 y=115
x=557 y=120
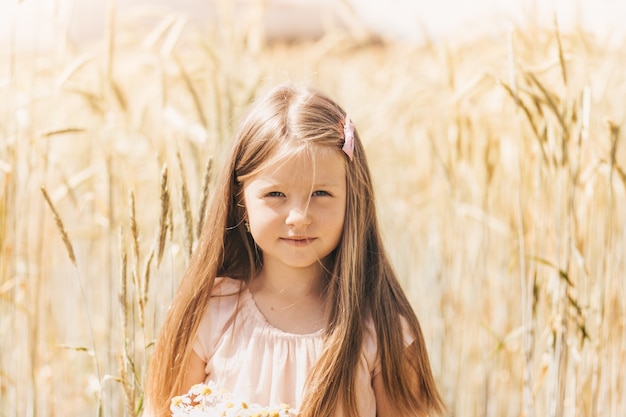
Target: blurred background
x=493 y=130
x=40 y=23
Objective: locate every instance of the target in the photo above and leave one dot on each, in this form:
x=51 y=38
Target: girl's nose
x=298 y=217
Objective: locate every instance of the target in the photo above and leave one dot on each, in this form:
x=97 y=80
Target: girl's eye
x=320 y=193
x=275 y=194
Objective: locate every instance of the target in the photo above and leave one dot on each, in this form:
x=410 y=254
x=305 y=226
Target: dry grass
x=500 y=170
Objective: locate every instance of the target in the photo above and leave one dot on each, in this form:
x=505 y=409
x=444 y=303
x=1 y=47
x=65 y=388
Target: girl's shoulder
x=225 y=286
x=219 y=315
x=225 y=299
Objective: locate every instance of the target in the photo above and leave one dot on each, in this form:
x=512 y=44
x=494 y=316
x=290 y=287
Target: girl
x=289 y=296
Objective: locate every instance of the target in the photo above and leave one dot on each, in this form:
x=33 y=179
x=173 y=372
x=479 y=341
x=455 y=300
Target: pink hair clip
x=348 y=134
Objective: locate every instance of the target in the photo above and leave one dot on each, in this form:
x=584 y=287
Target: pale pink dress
x=260 y=363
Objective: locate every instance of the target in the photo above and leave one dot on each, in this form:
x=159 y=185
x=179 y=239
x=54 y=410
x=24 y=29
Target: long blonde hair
x=361 y=282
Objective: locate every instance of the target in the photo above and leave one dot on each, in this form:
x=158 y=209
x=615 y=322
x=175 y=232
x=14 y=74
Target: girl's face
x=296 y=208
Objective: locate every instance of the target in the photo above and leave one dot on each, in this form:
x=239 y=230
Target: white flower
x=208 y=400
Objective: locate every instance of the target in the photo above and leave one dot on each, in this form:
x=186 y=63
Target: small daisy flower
x=208 y=400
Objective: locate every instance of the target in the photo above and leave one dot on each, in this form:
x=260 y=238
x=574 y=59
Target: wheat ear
x=163 y=218
x=136 y=273
x=60 y=227
x=205 y=196
x=186 y=206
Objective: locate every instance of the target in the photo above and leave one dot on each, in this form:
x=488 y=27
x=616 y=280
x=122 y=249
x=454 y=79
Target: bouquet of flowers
x=207 y=400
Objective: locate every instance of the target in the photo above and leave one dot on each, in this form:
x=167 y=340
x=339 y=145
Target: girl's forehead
x=323 y=165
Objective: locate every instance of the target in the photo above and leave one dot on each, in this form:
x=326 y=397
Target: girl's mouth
x=298 y=240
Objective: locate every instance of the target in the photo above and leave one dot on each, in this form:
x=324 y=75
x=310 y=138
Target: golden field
x=500 y=166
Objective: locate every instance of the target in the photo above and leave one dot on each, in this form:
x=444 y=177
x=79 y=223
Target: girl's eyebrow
x=326 y=184
x=270 y=183
x=279 y=186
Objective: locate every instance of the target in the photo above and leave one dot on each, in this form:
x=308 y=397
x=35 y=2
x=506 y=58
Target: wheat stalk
x=528 y=299
x=136 y=270
x=159 y=31
x=123 y=297
x=134 y=231
x=186 y=206
x=195 y=96
x=143 y=299
x=123 y=301
x=60 y=227
x=163 y=217
x=127 y=385
x=205 y=196
x=70 y=252
x=560 y=46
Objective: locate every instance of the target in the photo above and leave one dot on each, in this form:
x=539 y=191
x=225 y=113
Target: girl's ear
x=243 y=214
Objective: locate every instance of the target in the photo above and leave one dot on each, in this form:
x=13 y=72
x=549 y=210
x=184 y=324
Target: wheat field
x=500 y=169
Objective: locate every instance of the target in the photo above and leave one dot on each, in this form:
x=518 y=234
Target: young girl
x=289 y=296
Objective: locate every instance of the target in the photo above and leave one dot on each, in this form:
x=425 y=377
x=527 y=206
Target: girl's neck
x=280 y=280
x=291 y=300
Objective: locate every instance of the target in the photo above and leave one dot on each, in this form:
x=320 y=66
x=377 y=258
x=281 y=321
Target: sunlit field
x=500 y=167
